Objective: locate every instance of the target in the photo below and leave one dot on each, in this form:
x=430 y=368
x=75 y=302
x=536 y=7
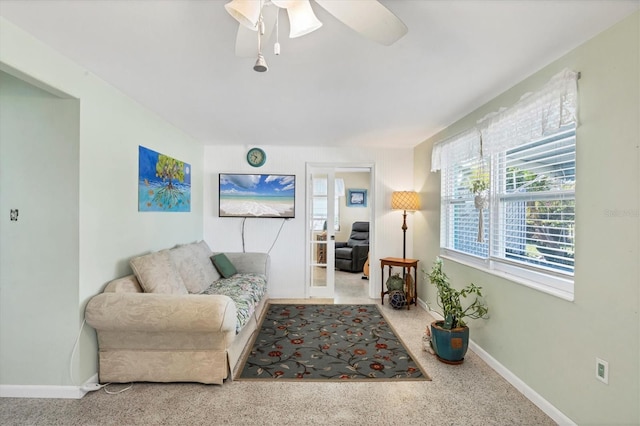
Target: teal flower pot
x=450 y=346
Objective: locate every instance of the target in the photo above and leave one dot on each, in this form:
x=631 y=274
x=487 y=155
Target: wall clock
x=256 y=157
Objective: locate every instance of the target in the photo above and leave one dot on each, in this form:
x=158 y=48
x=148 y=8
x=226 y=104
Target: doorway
x=329 y=188
x=39 y=200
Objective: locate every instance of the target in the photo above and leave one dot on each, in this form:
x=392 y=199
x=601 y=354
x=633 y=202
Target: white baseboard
x=533 y=396
x=424 y=306
x=45 y=391
x=514 y=380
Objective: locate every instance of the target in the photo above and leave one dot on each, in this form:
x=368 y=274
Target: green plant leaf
x=449 y=298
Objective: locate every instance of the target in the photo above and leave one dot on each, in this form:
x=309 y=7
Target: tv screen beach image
x=245 y=195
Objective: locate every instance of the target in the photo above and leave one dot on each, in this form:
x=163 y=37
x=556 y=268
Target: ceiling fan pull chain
x=276 y=47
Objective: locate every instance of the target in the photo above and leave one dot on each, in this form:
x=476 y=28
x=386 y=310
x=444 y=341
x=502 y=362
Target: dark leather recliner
x=351 y=255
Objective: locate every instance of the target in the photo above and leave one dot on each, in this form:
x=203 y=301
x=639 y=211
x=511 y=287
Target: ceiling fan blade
x=247 y=40
x=369 y=18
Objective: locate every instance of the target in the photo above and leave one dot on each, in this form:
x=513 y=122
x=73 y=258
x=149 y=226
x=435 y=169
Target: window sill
x=546 y=284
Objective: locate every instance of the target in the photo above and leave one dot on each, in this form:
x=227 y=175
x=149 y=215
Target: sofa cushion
x=223 y=265
x=204 y=255
x=246 y=291
x=193 y=265
x=157 y=274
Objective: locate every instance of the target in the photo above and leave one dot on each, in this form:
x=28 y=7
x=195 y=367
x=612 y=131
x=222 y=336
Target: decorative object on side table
x=397 y=299
x=395 y=288
x=395 y=282
x=450 y=337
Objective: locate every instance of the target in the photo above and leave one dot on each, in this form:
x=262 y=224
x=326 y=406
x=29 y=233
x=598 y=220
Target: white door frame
x=374 y=291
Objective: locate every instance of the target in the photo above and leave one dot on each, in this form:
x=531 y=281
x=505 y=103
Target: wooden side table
x=406 y=265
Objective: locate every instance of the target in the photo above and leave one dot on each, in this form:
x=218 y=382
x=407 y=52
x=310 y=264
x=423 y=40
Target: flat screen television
x=259 y=195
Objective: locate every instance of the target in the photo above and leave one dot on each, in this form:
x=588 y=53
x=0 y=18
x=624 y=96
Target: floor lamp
x=406 y=201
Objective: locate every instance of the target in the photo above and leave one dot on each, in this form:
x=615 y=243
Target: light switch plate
x=602 y=371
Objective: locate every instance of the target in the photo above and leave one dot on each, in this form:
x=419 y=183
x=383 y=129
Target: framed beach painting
x=357 y=198
x=164 y=183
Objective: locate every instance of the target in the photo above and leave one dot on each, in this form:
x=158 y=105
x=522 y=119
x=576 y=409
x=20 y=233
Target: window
x=462 y=230
x=508 y=190
x=529 y=219
x=320 y=204
x=535 y=203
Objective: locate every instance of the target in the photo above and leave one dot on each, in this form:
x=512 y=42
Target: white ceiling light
x=247 y=12
x=367 y=17
x=302 y=20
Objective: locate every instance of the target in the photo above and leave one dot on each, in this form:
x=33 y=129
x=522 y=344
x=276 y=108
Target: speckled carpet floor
x=469 y=394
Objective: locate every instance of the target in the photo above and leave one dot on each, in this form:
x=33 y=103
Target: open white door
x=321 y=231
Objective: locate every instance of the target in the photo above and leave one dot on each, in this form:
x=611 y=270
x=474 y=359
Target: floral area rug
x=328 y=342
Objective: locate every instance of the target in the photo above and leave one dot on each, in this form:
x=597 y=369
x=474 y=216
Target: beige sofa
x=176 y=319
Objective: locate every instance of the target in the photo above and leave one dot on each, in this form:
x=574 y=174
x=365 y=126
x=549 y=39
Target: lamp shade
x=302 y=20
x=247 y=12
x=405 y=200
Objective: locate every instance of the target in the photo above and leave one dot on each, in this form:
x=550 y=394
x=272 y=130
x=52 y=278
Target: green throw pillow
x=223 y=265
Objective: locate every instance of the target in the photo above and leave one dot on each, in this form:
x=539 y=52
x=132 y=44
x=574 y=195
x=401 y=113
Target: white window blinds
x=534 y=212
x=526 y=156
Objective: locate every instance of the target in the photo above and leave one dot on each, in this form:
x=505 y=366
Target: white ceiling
x=331 y=87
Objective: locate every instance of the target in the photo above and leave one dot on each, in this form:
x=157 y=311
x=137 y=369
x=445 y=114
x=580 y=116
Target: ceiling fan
x=367 y=17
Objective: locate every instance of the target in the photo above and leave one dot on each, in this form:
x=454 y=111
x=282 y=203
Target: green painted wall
x=549 y=343
x=110 y=229
x=39 y=266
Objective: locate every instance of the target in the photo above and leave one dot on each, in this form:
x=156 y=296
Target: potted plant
x=479 y=182
x=450 y=337
x=479 y=187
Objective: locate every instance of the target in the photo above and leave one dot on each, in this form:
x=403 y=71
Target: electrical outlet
x=602 y=371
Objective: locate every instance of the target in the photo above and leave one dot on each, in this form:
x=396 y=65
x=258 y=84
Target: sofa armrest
x=128 y=284
x=340 y=244
x=246 y=263
x=161 y=312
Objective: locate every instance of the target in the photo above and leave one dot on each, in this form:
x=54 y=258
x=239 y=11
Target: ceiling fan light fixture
x=261 y=64
x=247 y=12
x=284 y=4
x=302 y=20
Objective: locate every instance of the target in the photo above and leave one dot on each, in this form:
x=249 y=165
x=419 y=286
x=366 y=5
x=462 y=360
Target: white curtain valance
x=534 y=116
x=461 y=147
